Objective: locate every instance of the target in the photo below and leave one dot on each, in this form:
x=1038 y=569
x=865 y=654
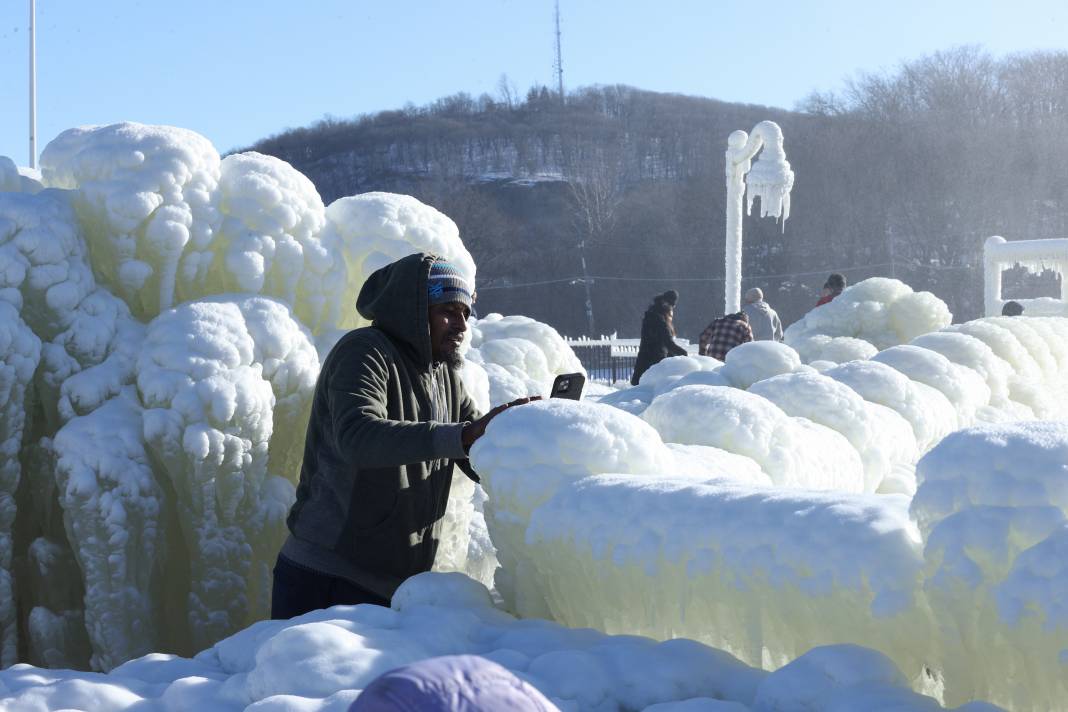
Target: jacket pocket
x=373 y=509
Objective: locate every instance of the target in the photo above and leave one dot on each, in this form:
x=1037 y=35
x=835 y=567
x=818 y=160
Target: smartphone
x=568 y=385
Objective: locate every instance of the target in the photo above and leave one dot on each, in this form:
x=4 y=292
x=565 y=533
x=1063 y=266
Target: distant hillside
x=902 y=175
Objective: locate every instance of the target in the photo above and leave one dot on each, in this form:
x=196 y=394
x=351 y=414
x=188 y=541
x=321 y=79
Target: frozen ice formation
x=985 y=530
x=321 y=661
x=794 y=452
x=879 y=311
x=162 y=316
x=520 y=356
x=368 y=231
x=883 y=439
x=143 y=194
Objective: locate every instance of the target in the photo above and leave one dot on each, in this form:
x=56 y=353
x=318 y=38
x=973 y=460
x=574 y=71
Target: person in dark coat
x=832 y=288
x=1012 y=309
x=389 y=419
x=658 y=334
x=452 y=683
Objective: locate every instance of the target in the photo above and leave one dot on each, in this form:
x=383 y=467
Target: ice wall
x=612 y=542
x=162 y=317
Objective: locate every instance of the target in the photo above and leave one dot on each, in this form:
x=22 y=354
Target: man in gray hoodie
x=389 y=419
x=762 y=318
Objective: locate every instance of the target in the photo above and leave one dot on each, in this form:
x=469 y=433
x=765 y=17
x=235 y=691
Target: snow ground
x=320 y=661
x=163 y=314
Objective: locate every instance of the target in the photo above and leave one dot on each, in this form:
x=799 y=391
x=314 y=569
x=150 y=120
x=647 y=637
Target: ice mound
x=13 y=180
x=792 y=451
x=143 y=194
x=661 y=376
x=992 y=505
x=520 y=356
x=883 y=439
x=883 y=312
x=964 y=388
x=754 y=361
x=213 y=377
x=543 y=444
x=370 y=230
x=268 y=241
x=927 y=410
x=321 y=661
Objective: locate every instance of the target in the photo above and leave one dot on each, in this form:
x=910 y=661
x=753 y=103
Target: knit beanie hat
x=448 y=284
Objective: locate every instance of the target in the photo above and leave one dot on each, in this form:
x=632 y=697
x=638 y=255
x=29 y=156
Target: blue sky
x=237 y=70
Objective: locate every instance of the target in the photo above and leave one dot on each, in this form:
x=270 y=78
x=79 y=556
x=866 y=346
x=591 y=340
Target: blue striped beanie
x=448 y=284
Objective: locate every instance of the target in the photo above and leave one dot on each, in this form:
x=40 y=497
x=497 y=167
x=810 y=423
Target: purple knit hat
x=454 y=683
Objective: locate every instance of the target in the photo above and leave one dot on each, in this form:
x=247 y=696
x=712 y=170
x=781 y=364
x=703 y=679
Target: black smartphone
x=568 y=385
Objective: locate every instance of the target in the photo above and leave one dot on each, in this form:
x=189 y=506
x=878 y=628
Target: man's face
x=448 y=322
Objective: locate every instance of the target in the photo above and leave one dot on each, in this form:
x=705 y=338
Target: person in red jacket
x=832 y=288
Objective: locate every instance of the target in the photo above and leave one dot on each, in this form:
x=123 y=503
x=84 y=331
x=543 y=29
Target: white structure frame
x=1034 y=255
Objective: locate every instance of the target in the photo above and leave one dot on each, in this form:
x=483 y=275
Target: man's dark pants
x=297 y=590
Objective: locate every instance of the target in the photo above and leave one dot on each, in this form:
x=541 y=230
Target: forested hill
x=900 y=175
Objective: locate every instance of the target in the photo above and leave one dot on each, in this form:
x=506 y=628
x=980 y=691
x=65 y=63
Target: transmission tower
x=559 y=65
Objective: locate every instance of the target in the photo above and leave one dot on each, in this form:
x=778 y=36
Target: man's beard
x=453 y=359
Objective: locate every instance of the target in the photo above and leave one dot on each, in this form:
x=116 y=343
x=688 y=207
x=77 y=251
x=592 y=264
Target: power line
x=581 y=280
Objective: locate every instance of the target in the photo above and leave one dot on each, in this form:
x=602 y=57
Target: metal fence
x=611 y=360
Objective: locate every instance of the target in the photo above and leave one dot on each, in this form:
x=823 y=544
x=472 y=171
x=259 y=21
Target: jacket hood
x=394 y=298
x=760 y=305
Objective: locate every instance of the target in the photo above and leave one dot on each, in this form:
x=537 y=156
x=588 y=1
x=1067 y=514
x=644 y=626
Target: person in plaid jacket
x=724 y=334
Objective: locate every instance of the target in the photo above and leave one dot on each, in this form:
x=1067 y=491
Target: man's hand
x=473 y=431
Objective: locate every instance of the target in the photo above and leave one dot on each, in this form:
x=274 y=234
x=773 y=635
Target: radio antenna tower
x=559 y=65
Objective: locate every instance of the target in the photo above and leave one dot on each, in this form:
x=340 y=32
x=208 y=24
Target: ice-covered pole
x=771 y=180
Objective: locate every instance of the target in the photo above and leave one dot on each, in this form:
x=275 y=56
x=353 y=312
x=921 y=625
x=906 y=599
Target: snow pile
x=668 y=374
x=766 y=574
x=144 y=195
x=963 y=387
x=13 y=180
x=992 y=506
x=213 y=376
x=320 y=662
x=927 y=410
x=867 y=317
x=883 y=439
x=520 y=356
x=162 y=313
x=370 y=230
x=748 y=363
x=794 y=452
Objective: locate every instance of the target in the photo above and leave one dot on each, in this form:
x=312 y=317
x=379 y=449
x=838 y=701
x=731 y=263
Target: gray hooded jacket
x=764 y=321
x=382 y=438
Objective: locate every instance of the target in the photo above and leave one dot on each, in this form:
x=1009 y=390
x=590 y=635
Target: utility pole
x=559 y=68
x=33 y=87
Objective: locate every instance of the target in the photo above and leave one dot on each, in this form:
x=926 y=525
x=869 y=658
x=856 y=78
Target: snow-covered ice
x=320 y=662
x=870 y=315
x=163 y=314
